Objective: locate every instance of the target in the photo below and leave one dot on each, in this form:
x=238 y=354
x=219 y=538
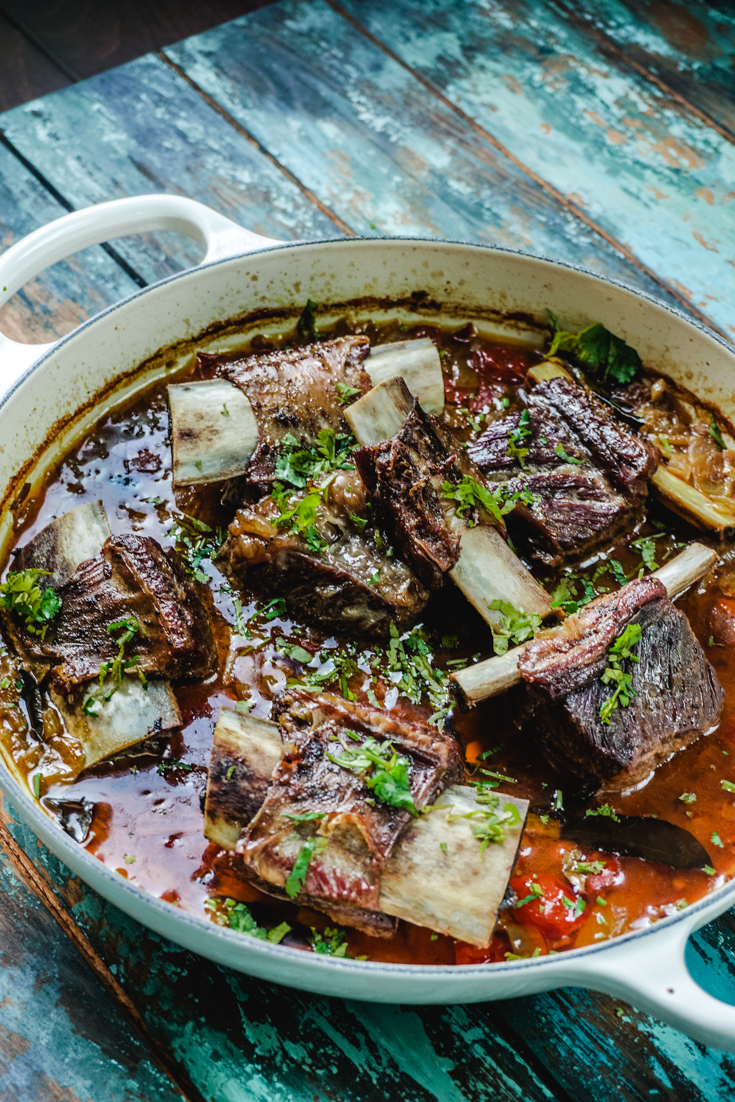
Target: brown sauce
x=148 y=819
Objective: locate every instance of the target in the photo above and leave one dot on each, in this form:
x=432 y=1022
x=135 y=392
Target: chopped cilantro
x=708 y=869
x=559 y=450
x=312 y=847
x=384 y=770
x=241 y=920
x=169 y=764
x=614 y=674
x=293 y=651
x=515 y=626
x=333 y=942
x=195 y=541
x=474 y=420
x=298 y=464
x=665 y=446
x=576 y=906
x=443 y=847
x=728 y=786
x=274 y=608
x=375 y=578
x=37 y=785
x=306 y=325
x=606 y=811
x=346 y=393
x=646 y=547
x=129 y=859
x=306 y=816
x=240 y=625
x=491 y=822
x=224 y=412
x=537 y=892
x=597 y=347
x=716 y=840
x=589 y=868
x=21 y=593
x=301 y=517
x=716 y=433
x=516 y=437
x=359 y=522
x=116 y=669
x=690 y=797
x=558 y=804
x=244 y=706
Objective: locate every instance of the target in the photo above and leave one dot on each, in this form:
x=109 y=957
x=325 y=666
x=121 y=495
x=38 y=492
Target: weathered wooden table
x=599 y=133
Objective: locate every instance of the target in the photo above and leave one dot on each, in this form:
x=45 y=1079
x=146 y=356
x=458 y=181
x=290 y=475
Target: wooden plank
x=652 y=177
x=141 y=129
x=231 y=1034
x=289 y=1044
x=88 y=38
x=688 y=50
x=66 y=294
x=61 y=1036
x=25 y=71
x=362 y=133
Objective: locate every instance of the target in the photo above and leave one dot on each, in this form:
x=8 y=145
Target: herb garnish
x=195 y=541
x=646 y=546
x=716 y=433
x=384 y=770
x=716 y=840
x=559 y=450
x=728 y=786
x=298 y=464
x=599 y=348
x=333 y=942
x=614 y=674
x=515 y=626
x=471 y=495
x=239 y=918
x=306 y=325
x=346 y=393
x=489 y=823
x=567 y=597
x=312 y=847
x=119 y=666
x=605 y=811
x=21 y=593
x=301 y=517
x=274 y=608
x=516 y=437
x=688 y=798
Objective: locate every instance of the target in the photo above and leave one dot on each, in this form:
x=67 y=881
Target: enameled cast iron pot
x=48 y=398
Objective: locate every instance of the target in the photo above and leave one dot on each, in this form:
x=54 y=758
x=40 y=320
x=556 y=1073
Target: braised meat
x=587 y=472
x=405 y=476
x=319 y=801
x=332 y=572
x=295 y=391
x=673 y=694
x=131 y=579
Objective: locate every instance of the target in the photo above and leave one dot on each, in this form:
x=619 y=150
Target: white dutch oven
x=43 y=388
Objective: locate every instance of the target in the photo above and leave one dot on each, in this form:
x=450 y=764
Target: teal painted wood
x=68 y=293
x=140 y=129
x=365 y=136
x=241 y=1039
x=61 y=1036
x=651 y=175
x=691 y=47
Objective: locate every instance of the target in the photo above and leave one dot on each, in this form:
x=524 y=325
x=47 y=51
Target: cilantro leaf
x=614 y=674
x=346 y=393
x=471 y=495
x=559 y=450
x=383 y=769
x=306 y=325
x=312 y=847
x=716 y=433
x=515 y=626
x=22 y=594
x=597 y=347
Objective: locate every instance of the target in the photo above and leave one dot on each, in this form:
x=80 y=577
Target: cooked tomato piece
x=597 y=883
x=548 y=903
x=472 y=954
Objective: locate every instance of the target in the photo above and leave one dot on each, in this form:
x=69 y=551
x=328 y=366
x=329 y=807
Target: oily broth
x=148 y=820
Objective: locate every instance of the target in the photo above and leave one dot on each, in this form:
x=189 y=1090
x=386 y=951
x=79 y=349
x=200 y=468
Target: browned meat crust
x=344 y=880
x=677 y=694
x=295 y=391
x=579 y=504
x=350 y=585
x=132 y=578
x=405 y=476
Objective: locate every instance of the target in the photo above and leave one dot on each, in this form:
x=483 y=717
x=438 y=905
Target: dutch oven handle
x=93 y=225
x=651 y=973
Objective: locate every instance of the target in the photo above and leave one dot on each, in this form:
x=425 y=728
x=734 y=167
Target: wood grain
x=65 y=295
x=61 y=1036
x=85 y=37
x=650 y=175
x=25 y=72
x=140 y=129
x=687 y=49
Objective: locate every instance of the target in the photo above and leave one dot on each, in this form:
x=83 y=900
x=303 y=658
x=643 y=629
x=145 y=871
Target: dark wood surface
x=598 y=133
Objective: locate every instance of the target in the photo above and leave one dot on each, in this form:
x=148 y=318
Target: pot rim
x=710 y=905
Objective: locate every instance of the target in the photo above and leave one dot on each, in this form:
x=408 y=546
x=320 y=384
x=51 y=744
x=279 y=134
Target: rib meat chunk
x=295 y=391
x=405 y=476
x=587 y=471
x=132 y=577
x=312 y=800
x=677 y=696
x=350 y=584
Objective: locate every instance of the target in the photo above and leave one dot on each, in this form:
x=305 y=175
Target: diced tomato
x=549 y=904
x=598 y=882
